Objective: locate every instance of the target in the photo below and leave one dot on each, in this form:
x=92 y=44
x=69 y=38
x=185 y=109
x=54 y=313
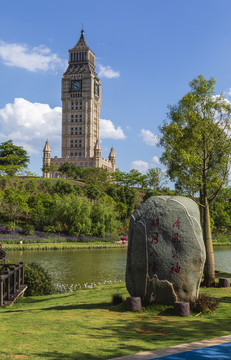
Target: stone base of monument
x=133 y=303
x=182 y=308
x=224 y=282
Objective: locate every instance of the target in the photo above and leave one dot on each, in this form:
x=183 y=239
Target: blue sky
x=146 y=53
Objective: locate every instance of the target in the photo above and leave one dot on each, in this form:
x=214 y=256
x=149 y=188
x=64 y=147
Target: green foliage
x=62 y=187
x=198 y=150
x=92 y=191
x=73 y=213
x=71 y=171
x=13 y=204
x=38 y=280
x=156 y=178
x=10 y=226
x=28 y=229
x=46 y=186
x=197 y=141
x=221 y=211
x=96 y=176
x=12 y=158
x=31 y=187
x=103 y=218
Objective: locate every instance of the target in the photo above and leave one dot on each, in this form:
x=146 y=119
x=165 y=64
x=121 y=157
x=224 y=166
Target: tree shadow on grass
x=225 y=299
x=149 y=335
x=79 y=307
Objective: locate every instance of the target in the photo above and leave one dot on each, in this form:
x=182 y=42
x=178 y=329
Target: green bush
x=38 y=280
x=28 y=229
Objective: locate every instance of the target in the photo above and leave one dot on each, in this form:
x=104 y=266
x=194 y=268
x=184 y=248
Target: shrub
x=38 y=280
x=117 y=299
x=204 y=303
x=28 y=229
x=10 y=226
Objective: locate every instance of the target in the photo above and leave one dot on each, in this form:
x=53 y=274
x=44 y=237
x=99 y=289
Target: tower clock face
x=76 y=85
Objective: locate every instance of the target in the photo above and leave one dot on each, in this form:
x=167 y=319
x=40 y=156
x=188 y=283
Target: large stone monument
x=166 y=252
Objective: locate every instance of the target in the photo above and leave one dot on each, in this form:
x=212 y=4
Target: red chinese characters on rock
x=155 y=238
x=153 y=266
x=175 y=268
x=175 y=238
x=156 y=222
x=176 y=223
x=154 y=253
x=175 y=252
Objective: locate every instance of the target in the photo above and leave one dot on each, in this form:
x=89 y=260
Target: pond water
x=93 y=266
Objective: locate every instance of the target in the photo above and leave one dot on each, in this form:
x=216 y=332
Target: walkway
x=150 y=355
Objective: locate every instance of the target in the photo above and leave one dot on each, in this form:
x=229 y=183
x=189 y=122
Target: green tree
x=12 y=158
x=156 y=178
x=13 y=204
x=103 y=218
x=92 y=191
x=62 y=187
x=197 y=151
x=221 y=211
x=73 y=213
x=71 y=170
x=97 y=176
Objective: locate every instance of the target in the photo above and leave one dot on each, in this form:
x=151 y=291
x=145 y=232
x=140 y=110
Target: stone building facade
x=81 y=100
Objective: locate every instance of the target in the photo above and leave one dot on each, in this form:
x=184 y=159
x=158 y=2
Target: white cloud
x=156 y=160
x=107 y=72
x=34 y=59
x=149 y=138
x=30 y=124
x=109 y=131
x=140 y=165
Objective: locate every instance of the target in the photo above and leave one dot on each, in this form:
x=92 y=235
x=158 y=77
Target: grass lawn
x=85 y=325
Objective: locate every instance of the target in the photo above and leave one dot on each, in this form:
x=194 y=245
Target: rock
x=166 y=252
x=133 y=303
x=182 y=308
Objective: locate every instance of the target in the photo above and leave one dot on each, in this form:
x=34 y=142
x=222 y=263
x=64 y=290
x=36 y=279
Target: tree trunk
x=209 y=268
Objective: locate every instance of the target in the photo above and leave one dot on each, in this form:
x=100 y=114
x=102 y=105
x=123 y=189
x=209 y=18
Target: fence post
x=14 y=281
x=22 y=272
x=1 y=293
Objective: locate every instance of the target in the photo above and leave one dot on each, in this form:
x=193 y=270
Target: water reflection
x=86 y=266
x=82 y=266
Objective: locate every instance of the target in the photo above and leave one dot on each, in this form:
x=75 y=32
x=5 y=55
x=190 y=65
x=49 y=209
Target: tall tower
x=46 y=158
x=81 y=99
